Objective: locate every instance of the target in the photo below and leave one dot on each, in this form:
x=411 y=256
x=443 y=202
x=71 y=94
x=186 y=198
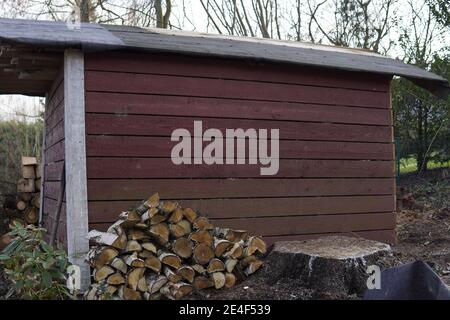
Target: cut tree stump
x=334 y=264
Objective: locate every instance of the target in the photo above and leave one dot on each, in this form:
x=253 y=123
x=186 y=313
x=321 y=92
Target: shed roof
x=56 y=36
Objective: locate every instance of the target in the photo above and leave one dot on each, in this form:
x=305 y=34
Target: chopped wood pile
x=163 y=251
x=24 y=207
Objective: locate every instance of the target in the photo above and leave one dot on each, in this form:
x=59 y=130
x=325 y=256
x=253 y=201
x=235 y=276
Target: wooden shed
x=115 y=94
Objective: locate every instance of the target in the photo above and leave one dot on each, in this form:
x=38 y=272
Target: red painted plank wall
x=336 y=168
x=54 y=157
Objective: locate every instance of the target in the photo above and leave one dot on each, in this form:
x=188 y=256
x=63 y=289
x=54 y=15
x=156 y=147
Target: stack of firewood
x=23 y=208
x=28 y=189
x=161 y=250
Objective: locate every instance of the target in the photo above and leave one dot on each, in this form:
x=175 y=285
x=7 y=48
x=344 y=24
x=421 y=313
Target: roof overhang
x=32 y=41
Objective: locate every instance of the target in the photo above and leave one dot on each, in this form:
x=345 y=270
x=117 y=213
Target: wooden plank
x=302 y=224
x=75 y=163
x=139 y=125
x=100 y=211
x=234 y=89
x=112 y=168
x=56 y=117
x=53 y=171
x=50 y=206
x=170 y=64
x=56 y=134
x=56 y=152
x=122 y=103
x=386 y=236
x=138 y=189
x=129 y=146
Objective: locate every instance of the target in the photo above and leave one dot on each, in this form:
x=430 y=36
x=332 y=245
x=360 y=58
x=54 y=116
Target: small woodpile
x=24 y=207
x=163 y=251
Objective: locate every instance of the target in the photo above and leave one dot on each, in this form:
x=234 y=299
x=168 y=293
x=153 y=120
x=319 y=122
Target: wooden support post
x=44 y=144
x=75 y=159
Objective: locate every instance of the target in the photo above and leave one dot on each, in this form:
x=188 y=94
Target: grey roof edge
x=95 y=37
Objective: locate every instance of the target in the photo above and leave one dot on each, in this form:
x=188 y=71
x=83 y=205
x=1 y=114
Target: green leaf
x=46 y=279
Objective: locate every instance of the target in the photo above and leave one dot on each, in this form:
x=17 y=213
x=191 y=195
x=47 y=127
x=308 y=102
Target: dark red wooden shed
x=115 y=94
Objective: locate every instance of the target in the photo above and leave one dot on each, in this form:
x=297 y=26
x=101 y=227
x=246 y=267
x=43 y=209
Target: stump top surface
x=334 y=247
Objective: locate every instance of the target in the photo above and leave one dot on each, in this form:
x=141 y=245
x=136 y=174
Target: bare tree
x=355 y=23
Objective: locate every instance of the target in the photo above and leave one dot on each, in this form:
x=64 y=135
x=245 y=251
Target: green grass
x=409 y=165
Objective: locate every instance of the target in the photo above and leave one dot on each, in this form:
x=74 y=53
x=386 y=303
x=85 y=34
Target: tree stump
x=335 y=264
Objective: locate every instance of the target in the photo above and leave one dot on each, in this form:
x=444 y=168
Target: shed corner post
x=75 y=163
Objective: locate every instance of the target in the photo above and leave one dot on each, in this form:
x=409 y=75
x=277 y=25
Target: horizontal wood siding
x=54 y=158
x=336 y=171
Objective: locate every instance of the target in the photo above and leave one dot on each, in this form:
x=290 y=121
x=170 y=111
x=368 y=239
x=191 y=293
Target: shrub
x=35 y=269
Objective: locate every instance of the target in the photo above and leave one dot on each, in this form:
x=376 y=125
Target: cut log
x=182 y=247
x=167 y=207
x=176 y=230
x=253 y=267
x=141 y=225
x=172 y=276
x=21 y=205
x=26 y=185
x=157 y=218
x=202 y=223
x=202 y=282
x=129 y=218
x=199 y=268
x=160 y=233
x=38 y=170
x=153 y=263
x=117 y=229
x=28 y=172
x=153 y=201
x=155 y=282
x=176 y=291
x=134 y=276
x=100 y=256
x=29 y=161
x=37 y=185
x=142 y=285
x=133 y=246
x=5 y=240
x=106 y=238
x=230 y=264
x=120 y=265
x=203 y=253
x=129 y=294
x=186 y=225
x=245 y=262
x=219 y=279
x=102 y=273
x=170 y=259
x=144 y=254
x=36 y=201
x=115 y=279
x=190 y=214
x=31 y=216
x=202 y=236
x=176 y=216
x=132 y=260
x=135 y=234
x=111 y=290
x=254 y=244
x=149 y=246
x=333 y=264
x=215 y=265
x=25 y=196
x=235 y=252
x=230 y=280
x=231 y=235
x=187 y=273
x=221 y=246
